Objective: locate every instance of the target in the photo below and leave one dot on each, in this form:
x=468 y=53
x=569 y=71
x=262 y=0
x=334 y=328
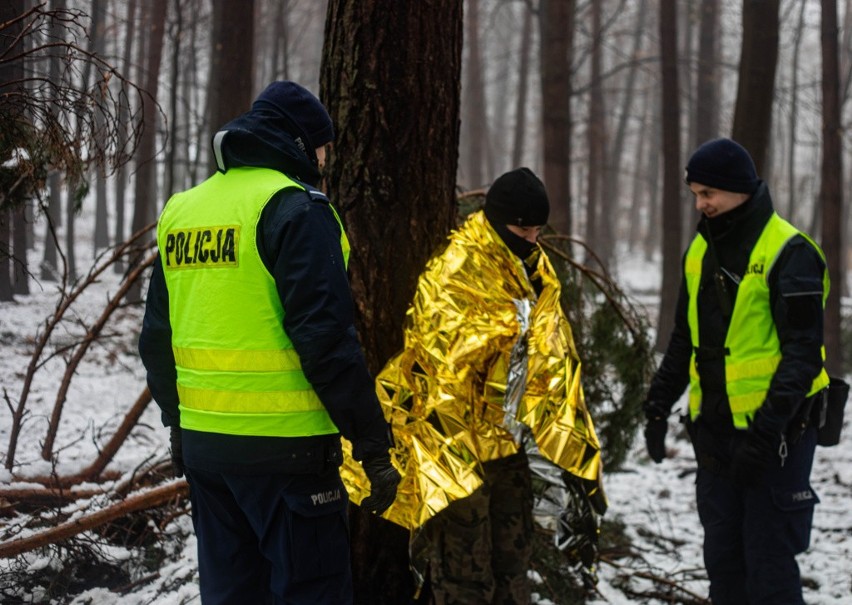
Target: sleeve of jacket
x=796 y=291
x=155 y=347
x=672 y=376
x=301 y=243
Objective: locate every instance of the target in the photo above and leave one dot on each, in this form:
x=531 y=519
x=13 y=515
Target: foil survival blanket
x=486 y=364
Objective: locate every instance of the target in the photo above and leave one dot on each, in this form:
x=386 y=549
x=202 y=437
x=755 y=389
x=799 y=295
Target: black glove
x=176 y=451
x=655 y=430
x=383 y=481
x=754 y=455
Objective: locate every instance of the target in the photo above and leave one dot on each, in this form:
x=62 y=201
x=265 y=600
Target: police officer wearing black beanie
x=253 y=359
x=749 y=321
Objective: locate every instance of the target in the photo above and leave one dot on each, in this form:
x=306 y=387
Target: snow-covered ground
x=654 y=502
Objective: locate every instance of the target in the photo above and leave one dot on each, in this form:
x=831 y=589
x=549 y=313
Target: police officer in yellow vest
x=252 y=355
x=747 y=343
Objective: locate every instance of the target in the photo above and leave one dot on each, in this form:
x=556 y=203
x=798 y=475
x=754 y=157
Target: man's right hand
x=655 y=430
x=384 y=479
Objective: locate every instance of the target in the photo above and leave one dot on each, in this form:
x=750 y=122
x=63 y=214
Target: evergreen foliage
x=612 y=336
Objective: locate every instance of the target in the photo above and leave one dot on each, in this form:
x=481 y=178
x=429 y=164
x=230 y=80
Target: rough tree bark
x=556 y=26
x=831 y=189
x=475 y=121
x=672 y=172
x=523 y=77
x=145 y=187
x=597 y=218
x=230 y=91
x=11 y=73
x=708 y=83
x=390 y=77
x=756 y=85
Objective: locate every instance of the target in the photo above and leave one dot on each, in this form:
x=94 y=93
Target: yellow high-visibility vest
x=752 y=339
x=237 y=370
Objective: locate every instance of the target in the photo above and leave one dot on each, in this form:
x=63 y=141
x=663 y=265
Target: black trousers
x=752 y=534
x=271 y=539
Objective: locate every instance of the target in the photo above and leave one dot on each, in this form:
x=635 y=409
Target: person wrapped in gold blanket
x=488 y=373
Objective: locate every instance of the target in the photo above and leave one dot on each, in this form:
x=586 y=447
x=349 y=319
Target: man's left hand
x=384 y=479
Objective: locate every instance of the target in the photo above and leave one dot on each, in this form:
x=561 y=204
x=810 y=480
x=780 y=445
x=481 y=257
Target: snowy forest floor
x=651 y=538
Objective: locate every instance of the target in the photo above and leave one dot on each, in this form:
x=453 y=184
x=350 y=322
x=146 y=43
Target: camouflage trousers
x=479 y=548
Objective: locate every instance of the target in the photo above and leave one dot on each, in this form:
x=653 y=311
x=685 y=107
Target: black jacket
x=795 y=291
x=299 y=241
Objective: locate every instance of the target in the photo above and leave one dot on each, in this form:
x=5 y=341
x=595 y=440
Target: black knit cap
x=301 y=107
x=723 y=164
x=517 y=198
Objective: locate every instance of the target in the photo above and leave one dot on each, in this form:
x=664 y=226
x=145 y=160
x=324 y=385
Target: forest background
x=107 y=108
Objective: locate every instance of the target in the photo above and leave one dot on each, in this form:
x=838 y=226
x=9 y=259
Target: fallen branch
x=47 y=496
x=148 y=499
x=690 y=597
x=93 y=472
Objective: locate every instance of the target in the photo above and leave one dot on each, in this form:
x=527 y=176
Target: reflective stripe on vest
x=752 y=339
x=237 y=370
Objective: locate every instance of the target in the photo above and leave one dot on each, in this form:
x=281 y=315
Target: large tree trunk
x=176 y=37
x=10 y=72
x=475 y=115
x=672 y=172
x=145 y=187
x=521 y=101
x=596 y=216
x=794 y=117
x=124 y=111
x=98 y=45
x=611 y=186
x=831 y=191
x=708 y=84
x=756 y=85
x=230 y=91
x=49 y=268
x=556 y=24
x=391 y=79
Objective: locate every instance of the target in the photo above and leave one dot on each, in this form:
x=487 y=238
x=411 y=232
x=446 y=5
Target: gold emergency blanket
x=485 y=363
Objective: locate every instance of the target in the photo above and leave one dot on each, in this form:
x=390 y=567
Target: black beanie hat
x=517 y=198
x=301 y=107
x=723 y=164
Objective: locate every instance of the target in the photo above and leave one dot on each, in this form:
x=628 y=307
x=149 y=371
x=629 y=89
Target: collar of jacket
x=733 y=226
x=262 y=139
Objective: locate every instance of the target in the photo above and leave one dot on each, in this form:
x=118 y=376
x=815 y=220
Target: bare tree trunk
x=708 y=82
x=523 y=79
x=176 y=37
x=281 y=41
x=639 y=198
x=10 y=72
x=145 y=189
x=831 y=191
x=392 y=177
x=794 y=114
x=756 y=86
x=230 y=91
x=98 y=45
x=49 y=268
x=124 y=110
x=474 y=116
x=20 y=266
x=846 y=54
x=556 y=24
x=672 y=172
x=596 y=140
x=193 y=127
x=612 y=169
